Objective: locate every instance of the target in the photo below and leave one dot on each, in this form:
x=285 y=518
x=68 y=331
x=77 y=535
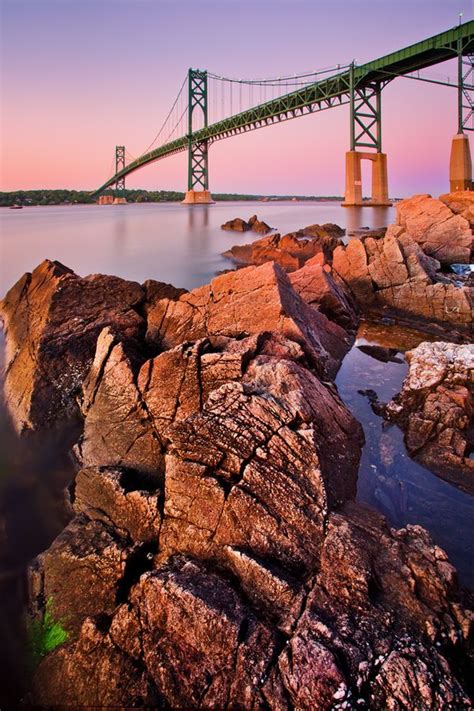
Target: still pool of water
x=184 y=245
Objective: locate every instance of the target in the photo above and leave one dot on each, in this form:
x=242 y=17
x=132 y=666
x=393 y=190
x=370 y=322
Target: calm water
x=168 y=242
x=183 y=245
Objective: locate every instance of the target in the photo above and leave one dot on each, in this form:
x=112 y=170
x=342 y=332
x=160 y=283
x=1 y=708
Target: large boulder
x=392 y=275
x=435 y=407
x=442 y=232
x=258 y=472
x=246 y=302
x=461 y=203
x=216 y=558
x=52 y=319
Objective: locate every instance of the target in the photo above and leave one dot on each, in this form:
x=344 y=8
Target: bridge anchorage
x=187 y=126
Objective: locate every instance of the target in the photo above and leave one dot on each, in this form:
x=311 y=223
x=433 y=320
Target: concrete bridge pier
x=460 y=164
x=197 y=197
x=353 y=193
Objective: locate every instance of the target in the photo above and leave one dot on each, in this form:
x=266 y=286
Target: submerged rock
x=436 y=410
x=240 y=225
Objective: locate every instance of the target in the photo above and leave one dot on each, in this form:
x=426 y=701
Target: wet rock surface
x=217 y=558
x=436 y=410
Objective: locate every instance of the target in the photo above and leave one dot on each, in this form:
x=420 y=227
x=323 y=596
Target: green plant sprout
x=46 y=634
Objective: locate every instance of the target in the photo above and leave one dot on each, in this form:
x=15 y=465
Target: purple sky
x=79 y=76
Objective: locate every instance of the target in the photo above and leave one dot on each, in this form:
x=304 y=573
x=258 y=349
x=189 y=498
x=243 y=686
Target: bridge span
x=360 y=86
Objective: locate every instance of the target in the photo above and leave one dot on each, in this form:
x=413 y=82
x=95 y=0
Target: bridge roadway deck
x=324 y=94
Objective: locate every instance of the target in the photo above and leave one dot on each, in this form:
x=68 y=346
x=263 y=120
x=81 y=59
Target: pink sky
x=80 y=76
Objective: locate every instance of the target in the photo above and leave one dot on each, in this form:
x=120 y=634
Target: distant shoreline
x=35 y=198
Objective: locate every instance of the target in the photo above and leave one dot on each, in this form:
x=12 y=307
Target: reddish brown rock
x=80 y=572
x=202 y=647
x=156 y=290
x=216 y=559
x=246 y=302
x=236 y=225
x=461 y=203
x=257 y=225
x=121 y=498
x=318 y=288
x=127 y=417
x=292 y=250
x=52 y=319
x=436 y=409
x=117 y=426
x=441 y=232
x=234 y=476
x=92 y=672
x=380 y=614
x=393 y=275
x=329 y=229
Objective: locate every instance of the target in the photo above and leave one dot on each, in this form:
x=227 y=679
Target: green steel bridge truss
x=359 y=86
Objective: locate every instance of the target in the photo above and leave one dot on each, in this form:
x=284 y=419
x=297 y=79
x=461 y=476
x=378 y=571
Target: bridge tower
x=119 y=165
x=460 y=164
x=366 y=133
x=198 y=174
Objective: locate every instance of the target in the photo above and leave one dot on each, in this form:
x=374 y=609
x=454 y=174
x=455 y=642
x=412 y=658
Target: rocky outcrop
x=246 y=302
x=236 y=225
x=441 y=227
x=461 y=203
x=260 y=226
x=436 y=410
x=393 y=276
x=240 y=225
x=52 y=319
x=290 y=251
x=377 y=614
x=216 y=558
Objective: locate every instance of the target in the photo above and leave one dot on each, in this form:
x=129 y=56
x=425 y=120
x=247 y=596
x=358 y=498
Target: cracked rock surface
x=441 y=227
x=435 y=408
x=52 y=319
x=392 y=275
x=217 y=558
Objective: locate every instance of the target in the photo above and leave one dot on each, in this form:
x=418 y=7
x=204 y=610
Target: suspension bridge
x=205 y=111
